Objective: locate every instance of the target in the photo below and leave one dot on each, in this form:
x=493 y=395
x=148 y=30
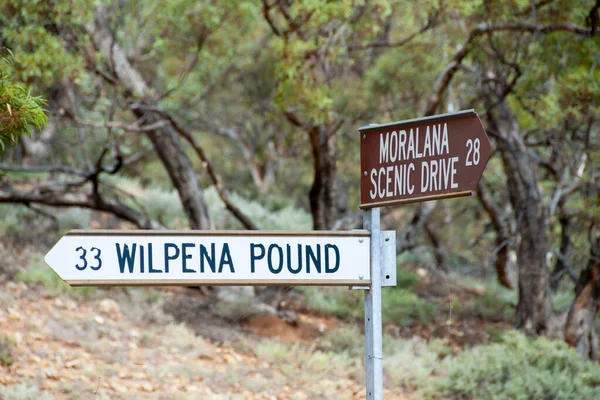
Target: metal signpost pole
x=373 y=324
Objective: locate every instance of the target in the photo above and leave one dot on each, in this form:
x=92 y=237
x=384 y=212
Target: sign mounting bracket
x=388 y=260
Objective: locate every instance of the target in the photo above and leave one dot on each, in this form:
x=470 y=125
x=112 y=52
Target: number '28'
x=473 y=155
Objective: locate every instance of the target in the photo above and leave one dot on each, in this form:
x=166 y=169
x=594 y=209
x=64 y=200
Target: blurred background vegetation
x=244 y=115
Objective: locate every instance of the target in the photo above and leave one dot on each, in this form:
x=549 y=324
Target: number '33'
x=83 y=252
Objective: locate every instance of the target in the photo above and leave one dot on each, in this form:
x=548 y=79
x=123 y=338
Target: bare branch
x=132 y=159
x=503 y=243
x=431 y=23
x=266 y=12
x=248 y=224
x=44 y=213
x=295 y=120
x=136 y=127
x=247 y=151
x=531 y=9
x=66 y=196
x=45 y=168
x=566 y=268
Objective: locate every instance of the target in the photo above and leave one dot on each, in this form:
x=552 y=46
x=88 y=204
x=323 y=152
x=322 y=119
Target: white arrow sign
x=91 y=258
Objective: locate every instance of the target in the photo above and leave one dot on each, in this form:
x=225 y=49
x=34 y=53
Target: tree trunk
x=165 y=139
x=324 y=188
x=502 y=263
x=534 y=308
x=579 y=326
x=406 y=239
x=166 y=143
x=561 y=267
x=439 y=251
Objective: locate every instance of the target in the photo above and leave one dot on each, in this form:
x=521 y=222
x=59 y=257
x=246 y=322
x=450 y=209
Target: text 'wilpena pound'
x=192 y=258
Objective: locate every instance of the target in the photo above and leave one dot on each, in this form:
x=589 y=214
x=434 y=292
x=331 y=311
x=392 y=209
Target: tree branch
x=266 y=12
x=458 y=57
x=431 y=22
x=247 y=151
x=503 y=241
x=135 y=127
x=248 y=224
x=45 y=168
x=66 y=196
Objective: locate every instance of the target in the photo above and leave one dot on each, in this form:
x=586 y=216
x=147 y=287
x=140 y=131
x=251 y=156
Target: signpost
x=430 y=158
x=437 y=157
x=422 y=159
x=212 y=258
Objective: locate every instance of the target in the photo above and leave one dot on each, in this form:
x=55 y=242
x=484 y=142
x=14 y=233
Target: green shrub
x=40 y=273
x=399 y=306
x=22 y=392
x=306 y=363
x=163 y=205
x=279 y=218
x=491 y=306
x=519 y=368
x=496 y=302
x=159 y=203
x=346 y=339
x=17 y=219
x=491 y=287
x=563 y=299
x=272 y=351
x=339 y=302
x=411 y=363
x=496 y=333
x=74 y=218
x=416 y=258
x=6 y=344
x=236 y=311
x=405 y=279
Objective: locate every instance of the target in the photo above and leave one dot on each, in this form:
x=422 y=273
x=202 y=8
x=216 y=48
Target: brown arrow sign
x=430 y=158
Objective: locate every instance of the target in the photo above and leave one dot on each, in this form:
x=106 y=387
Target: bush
x=520 y=368
x=405 y=279
x=17 y=219
x=417 y=257
x=305 y=363
x=400 y=306
x=159 y=203
x=6 y=344
x=339 y=302
x=490 y=307
x=74 y=218
x=280 y=218
x=163 y=205
x=22 y=392
x=11 y=260
x=563 y=299
x=412 y=363
x=40 y=273
x=346 y=339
